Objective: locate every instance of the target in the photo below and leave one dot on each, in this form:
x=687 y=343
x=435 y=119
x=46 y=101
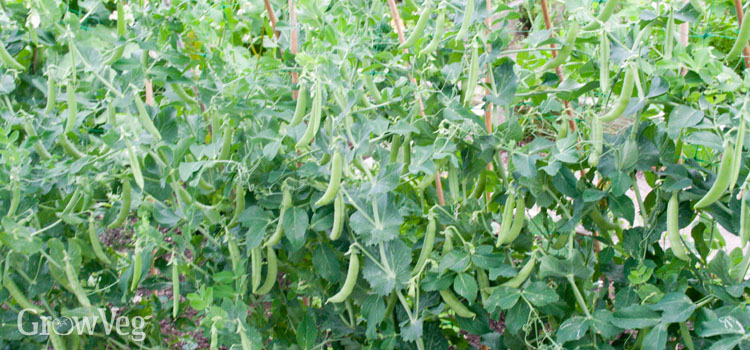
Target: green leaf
x=551 y=266
x=573 y=328
x=398 y=259
x=307 y=332
x=601 y=323
x=326 y=264
x=682 y=117
x=516 y=317
x=635 y=317
x=727 y=343
x=383 y=227
x=676 y=307
x=455 y=260
x=656 y=338
x=720 y=326
x=373 y=309
x=506 y=82
x=466 y=286
x=295 y=227
x=540 y=294
x=411 y=331
x=502 y=297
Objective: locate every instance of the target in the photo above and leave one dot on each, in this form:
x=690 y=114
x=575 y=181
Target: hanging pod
x=337 y=163
x=604 y=15
x=418 y=31
x=523 y=274
x=721 y=183
x=436 y=37
x=565 y=51
x=466 y=22
x=625 y=94
x=673 y=228
x=351 y=279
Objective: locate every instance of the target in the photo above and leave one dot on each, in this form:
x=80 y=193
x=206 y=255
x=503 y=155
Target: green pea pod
x=75 y=285
x=314 y=124
x=472 y=76
x=625 y=94
x=72 y=109
x=395 y=147
x=214 y=338
x=466 y=22
x=522 y=275
x=565 y=51
x=436 y=37
x=426 y=181
x=137 y=268
x=255 y=266
x=339 y=216
x=125 y=208
x=698 y=6
x=120 y=33
x=301 y=108
x=738 y=145
x=135 y=165
x=72 y=203
x=41 y=151
x=484 y=285
x=226 y=144
x=271 y=272
x=673 y=228
x=448 y=242
x=8 y=60
x=18 y=296
x=239 y=204
x=427 y=245
x=57 y=341
x=454 y=304
x=183 y=95
x=604 y=51
x=597 y=144
x=145 y=119
x=51 y=92
x=507 y=218
x=406 y=146
x=518 y=220
x=96 y=245
x=175 y=287
x=244 y=340
x=744 y=219
x=603 y=223
x=481 y=184
x=286 y=203
x=722 y=180
x=604 y=15
x=15 y=198
x=669 y=37
x=372 y=88
x=334 y=182
x=69 y=148
x=741 y=41
x=351 y=279
x=418 y=31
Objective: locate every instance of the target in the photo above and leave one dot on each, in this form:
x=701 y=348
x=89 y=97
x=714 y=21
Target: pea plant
x=437 y=174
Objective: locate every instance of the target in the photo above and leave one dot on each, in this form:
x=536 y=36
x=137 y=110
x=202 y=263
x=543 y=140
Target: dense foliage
x=157 y=163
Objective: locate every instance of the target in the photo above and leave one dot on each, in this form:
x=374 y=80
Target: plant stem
x=579 y=296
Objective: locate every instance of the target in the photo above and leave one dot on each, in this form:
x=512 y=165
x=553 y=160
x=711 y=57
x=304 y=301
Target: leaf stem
x=579 y=296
